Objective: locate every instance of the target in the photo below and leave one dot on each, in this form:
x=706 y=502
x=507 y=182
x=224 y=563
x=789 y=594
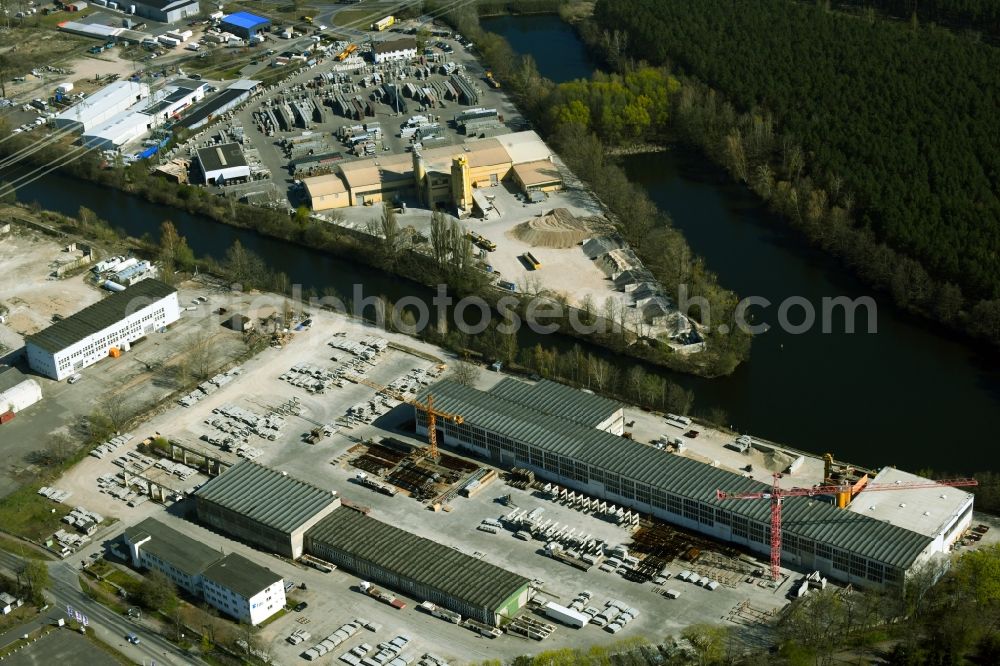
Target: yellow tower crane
x=428 y=407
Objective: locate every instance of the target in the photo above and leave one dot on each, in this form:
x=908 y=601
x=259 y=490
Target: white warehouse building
x=231 y=583
x=135 y=122
x=118 y=130
x=877 y=541
x=102 y=106
x=223 y=163
x=397 y=49
x=91 y=334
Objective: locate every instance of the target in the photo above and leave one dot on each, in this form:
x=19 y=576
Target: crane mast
x=777 y=494
x=426 y=407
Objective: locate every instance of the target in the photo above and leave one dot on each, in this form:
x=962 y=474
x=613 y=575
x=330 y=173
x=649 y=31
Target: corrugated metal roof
x=802 y=516
x=558 y=400
x=212 y=105
x=99 y=316
x=426 y=562
x=266 y=496
x=110 y=97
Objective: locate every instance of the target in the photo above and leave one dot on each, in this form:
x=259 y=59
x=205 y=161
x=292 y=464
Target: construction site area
x=392 y=502
x=348 y=409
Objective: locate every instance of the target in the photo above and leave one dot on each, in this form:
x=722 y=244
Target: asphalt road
x=64 y=590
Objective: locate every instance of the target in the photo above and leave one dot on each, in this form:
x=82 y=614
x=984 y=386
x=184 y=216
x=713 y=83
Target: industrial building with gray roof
x=97 y=317
x=105 y=328
x=187 y=555
x=263 y=506
x=845 y=545
x=423 y=569
x=555 y=399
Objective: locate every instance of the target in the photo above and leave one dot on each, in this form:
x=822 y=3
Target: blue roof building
x=244 y=24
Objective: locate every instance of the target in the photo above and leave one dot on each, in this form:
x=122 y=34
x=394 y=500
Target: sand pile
x=557 y=229
x=777 y=461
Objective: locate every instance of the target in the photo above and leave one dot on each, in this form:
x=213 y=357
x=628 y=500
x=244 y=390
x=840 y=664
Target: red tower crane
x=777 y=494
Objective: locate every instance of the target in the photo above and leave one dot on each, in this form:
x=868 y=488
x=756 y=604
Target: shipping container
x=6 y=416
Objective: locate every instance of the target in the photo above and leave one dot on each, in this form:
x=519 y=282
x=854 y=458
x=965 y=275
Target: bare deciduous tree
x=465 y=373
x=202 y=355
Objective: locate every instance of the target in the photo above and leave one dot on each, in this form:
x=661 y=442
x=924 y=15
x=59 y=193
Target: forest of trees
x=620 y=109
x=976 y=15
x=878 y=140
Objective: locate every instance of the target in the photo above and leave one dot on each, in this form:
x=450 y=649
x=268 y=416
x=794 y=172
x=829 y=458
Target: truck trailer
x=567 y=616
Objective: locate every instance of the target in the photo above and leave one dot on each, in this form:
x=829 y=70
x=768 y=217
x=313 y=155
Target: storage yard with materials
x=475 y=520
x=340 y=479
x=359 y=124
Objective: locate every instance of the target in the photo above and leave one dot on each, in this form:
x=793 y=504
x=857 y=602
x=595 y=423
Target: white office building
x=397 y=49
x=243 y=590
x=230 y=583
x=105 y=328
x=154 y=546
x=100 y=107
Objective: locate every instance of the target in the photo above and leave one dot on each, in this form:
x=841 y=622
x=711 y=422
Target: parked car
x=74 y=378
x=301 y=606
x=132 y=638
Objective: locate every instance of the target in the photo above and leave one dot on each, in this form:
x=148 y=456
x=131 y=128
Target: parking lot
x=62 y=646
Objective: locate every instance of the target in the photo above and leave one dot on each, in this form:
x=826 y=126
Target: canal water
x=905 y=395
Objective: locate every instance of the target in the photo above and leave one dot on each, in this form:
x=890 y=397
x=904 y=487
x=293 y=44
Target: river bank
x=638 y=149
x=867 y=398
x=855 y=394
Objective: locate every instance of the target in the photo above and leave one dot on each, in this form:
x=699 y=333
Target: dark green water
x=902 y=396
x=905 y=395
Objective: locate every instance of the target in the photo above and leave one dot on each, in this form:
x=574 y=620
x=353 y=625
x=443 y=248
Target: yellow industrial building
x=439 y=177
